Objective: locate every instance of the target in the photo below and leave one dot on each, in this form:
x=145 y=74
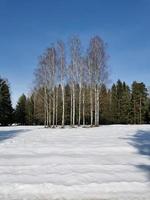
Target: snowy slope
x=108 y=162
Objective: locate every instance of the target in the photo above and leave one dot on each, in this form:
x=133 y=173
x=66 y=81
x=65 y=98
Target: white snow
x=108 y=162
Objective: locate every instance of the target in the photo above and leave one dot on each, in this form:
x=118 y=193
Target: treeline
x=120 y=104
x=70 y=88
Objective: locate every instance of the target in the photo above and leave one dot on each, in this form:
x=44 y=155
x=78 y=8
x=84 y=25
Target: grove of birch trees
x=70 y=69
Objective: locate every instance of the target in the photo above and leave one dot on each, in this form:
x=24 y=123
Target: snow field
x=107 y=162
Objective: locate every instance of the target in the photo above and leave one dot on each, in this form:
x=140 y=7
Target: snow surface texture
x=108 y=162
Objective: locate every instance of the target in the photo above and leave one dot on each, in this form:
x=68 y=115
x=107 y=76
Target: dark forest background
x=121 y=104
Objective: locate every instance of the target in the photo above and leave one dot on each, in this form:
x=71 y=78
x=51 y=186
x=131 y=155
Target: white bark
x=83 y=102
x=53 y=107
x=74 y=105
x=56 y=106
x=91 y=105
x=50 y=117
x=71 y=106
x=45 y=108
x=95 y=92
x=62 y=64
x=98 y=106
x=80 y=92
x=63 y=106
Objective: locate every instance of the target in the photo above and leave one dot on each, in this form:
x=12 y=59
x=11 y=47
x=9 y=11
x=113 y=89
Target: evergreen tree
x=6 y=109
x=119 y=88
x=125 y=104
x=139 y=99
x=120 y=103
x=114 y=104
x=105 y=109
x=20 y=112
x=147 y=113
x=30 y=118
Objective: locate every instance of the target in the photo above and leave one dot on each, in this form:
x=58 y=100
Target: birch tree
x=75 y=46
x=98 y=71
x=62 y=70
x=52 y=77
x=42 y=82
x=90 y=81
x=84 y=73
x=83 y=86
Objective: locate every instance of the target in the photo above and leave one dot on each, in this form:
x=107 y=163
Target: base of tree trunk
x=85 y=126
x=95 y=125
x=73 y=126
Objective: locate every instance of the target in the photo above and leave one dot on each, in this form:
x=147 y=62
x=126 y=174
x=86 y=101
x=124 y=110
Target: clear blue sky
x=27 y=27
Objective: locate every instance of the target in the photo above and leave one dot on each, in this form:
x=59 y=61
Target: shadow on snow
x=141 y=141
x=4 y=135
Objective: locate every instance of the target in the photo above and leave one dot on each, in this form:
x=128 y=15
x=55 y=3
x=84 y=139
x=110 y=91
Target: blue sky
x=27 y=27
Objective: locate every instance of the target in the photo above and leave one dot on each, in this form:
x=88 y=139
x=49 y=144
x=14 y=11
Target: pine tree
x=20 y=112
x=6 y=110
x=147 y=113
x=30 y=118
x=121 y=103
x=114 y=104
x=105 y=113
x=125 y=104
x=119 y=88
x=139 y=99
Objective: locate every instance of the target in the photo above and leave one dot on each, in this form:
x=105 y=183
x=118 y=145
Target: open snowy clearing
x=108 y=162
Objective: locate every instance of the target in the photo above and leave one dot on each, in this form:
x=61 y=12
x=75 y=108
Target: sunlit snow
x=108 y=162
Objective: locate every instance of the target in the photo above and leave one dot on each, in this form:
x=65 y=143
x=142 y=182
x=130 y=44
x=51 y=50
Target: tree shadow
x=141 y=141
x=146 y=169
x=5 y=135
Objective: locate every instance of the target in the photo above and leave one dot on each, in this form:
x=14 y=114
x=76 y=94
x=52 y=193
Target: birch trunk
x=53 y=107
x=45 y=107
x=56 y=105
x=95 y=106
x=83 y=102
x=45 y=115
x=61 y=50
x=91 y=106
x=73 y=120
x=80 y=91
x=71 y=107
x=63 y=106
x=50 y=118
